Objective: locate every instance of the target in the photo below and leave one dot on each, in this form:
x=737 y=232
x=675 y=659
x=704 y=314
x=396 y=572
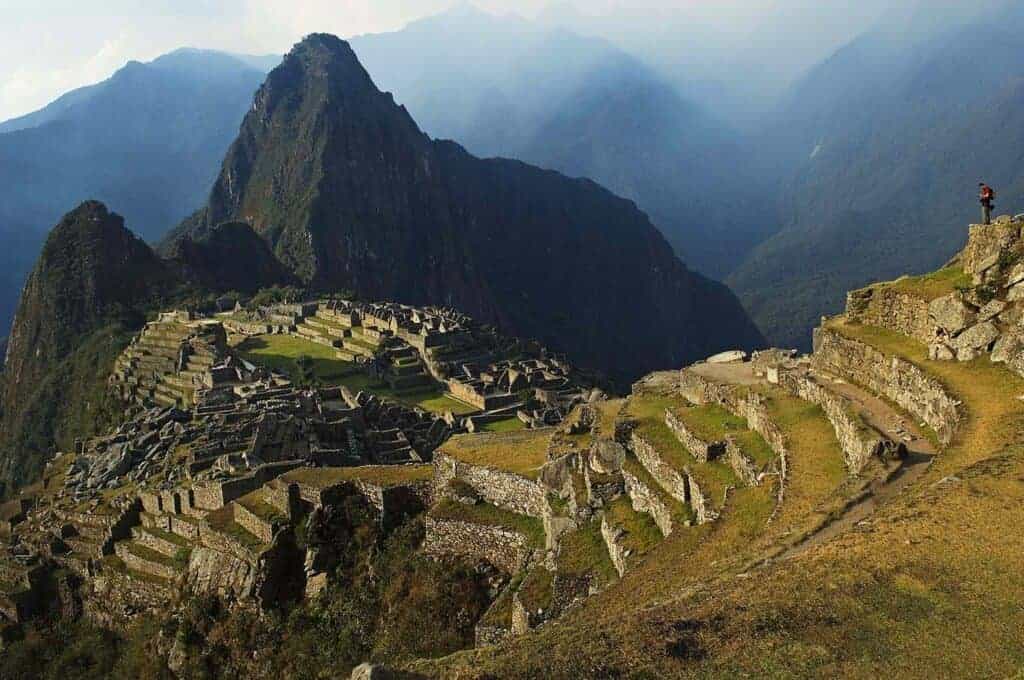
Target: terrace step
x=144 y=559
x=163 y=542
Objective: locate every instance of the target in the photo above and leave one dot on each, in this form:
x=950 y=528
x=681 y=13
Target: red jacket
x=986 y=194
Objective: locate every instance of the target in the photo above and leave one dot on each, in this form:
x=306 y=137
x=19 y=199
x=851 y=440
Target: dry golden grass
x=381 y=475
x=934 y=285
x=995 y=416
x=519 y=452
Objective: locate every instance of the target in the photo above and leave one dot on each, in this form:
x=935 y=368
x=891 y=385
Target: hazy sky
x=50 y=46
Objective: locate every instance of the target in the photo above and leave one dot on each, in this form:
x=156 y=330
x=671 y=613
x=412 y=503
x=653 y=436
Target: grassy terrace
x=535 y=590
x=281 y=352
x=522 y=453
x=508 y=425
x=642 y=534
x=115 y=563
x=681 y=512
x=714 y=423
x=484 y=513
x=933 y=285
x=995 y=417
x=257 y=505
x=931 y=588
x=223 y=522
x=649 y=412
x=583 y=552
x=382 y=475
x=816 y=465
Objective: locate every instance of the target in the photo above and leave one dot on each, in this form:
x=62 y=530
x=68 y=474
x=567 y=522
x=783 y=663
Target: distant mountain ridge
x=148 y=140
x=883 y=146
x=350 y=194
x=505 y=86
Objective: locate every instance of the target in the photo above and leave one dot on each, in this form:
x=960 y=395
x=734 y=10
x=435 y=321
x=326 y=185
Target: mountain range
x=332 y=186
x=148 y=140
x=880 y=150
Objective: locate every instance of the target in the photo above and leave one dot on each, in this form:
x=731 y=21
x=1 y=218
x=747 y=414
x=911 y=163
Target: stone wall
x=668 y=477
x=258 y=526
x=741 y=465
x=612 y=540
x=214 y=572
x=859 y=442
x=645 y=499
x=701 y=504
x=505 y=549
x=986 y=244
x=897 y=379
x=702 y=451
x=885 y=307
x=503 y=489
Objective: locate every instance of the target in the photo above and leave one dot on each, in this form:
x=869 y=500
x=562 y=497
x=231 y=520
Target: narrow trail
x=878 y=414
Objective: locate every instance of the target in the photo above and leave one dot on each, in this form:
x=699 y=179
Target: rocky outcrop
x=897 y=379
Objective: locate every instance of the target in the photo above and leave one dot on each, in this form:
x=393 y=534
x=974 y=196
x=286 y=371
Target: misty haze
x=492 y=339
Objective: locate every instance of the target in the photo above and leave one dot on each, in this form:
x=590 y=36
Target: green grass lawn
x=281 y=352
x=508 y=425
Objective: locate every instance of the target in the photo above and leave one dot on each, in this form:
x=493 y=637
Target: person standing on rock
x=986 y=195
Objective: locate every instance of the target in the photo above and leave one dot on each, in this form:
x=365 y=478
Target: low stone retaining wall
x=259 y=527
x=502 y=489
x=644 y=499
x=702 y=508
x=133 y=561
x=885 y=307
x=702 y=451
x=895 y=378
x=505 y=549
x=741 y=465
x=612 y=540
x=669 y=478
x=859 y=442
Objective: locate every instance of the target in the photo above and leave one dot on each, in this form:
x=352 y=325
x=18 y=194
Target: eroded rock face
x=951 y=313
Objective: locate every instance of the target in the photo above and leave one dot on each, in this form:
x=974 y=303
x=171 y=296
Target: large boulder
x=1008 y=346
x=975 y=340
x=607 y=456
x=951 y=313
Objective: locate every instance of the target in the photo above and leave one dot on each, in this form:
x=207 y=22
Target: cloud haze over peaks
x=48 y=47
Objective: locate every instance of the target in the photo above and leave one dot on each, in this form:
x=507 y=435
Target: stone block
x=951 y=313
x=977 y=338
x=731 y=357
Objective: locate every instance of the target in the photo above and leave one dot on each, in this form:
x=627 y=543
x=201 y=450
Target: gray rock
x=950 y=313
x=733 y=357
x=1008 y=346
x=1015 y=293
x=991 y=310
x=979 y=337
x=1016 y=275
x=939 y=351
x=607 y=457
